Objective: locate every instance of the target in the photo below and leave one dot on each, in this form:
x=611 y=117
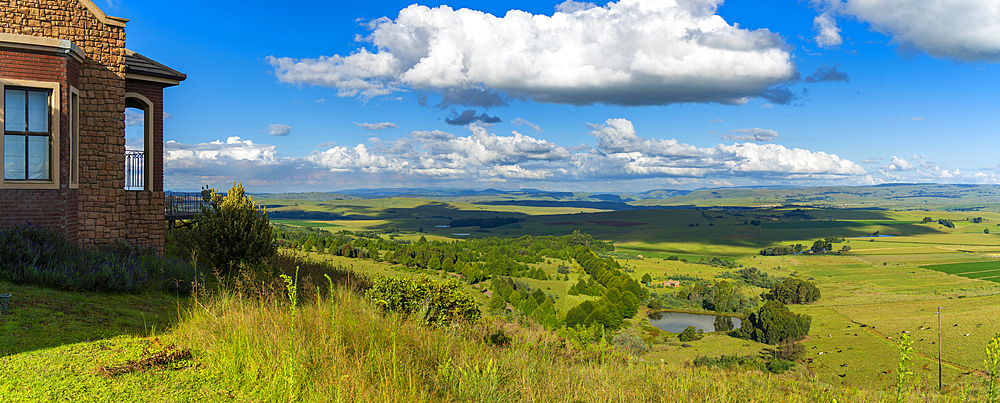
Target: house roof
x=139 y=65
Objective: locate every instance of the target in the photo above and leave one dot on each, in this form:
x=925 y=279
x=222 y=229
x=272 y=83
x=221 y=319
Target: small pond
x=676 y=322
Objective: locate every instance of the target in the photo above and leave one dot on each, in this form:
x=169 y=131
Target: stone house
x=66 y=79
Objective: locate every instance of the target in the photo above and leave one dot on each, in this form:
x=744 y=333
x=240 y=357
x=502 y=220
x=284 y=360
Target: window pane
x=13 y=107
x=38 y=157
x=13 y=157
x=38 y=111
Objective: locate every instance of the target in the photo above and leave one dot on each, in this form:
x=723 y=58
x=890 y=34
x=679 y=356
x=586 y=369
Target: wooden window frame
x=55 y=99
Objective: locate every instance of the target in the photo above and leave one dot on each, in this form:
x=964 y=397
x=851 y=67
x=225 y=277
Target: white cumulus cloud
x=631 y=154
x=630 y=52
x=827 y=32
x=962 y=30
x=479 y=155
x=899 y=164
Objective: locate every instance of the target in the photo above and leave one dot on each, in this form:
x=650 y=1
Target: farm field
x=980 y=270
x=882 y=286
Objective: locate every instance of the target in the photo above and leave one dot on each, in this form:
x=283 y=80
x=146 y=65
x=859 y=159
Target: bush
x=630 y=343
x=778 y=366
x=232 y=230
x=788 y=350
x=690 y=334
x=33 y=255
x=315 y=272
x=436 y=303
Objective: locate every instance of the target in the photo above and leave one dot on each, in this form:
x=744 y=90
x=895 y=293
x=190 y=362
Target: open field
x=884 y=283
x=989 y=271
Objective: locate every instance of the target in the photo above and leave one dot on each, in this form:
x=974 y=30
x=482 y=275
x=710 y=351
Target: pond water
x=676 y=322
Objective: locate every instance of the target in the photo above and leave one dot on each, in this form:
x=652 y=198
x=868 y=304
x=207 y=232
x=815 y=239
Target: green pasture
x=670 y=350
x=327 y=225
x=989 y=270
x=889 y=284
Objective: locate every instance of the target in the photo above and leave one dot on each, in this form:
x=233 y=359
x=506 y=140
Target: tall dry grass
x=343 y=349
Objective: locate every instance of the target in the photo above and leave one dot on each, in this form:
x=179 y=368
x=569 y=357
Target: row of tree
x=476 y=259
x=533 y=304
x=793 y=291
x=620 y=299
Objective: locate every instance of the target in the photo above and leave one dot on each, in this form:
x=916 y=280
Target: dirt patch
x=617 y=224
x=563 y=223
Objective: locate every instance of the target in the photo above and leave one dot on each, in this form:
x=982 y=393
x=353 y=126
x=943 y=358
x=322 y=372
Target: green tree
x=646 y=278
x=515 y=299
x=528 y=306
x=497 y=303
x=539 y=296
x=773 y=323
x=690 y=334
x=232 y=230
x=793 y=291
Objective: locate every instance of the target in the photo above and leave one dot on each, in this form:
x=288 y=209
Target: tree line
x=620 y=299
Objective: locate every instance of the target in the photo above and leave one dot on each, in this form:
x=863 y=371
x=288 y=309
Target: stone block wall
x=100 y=210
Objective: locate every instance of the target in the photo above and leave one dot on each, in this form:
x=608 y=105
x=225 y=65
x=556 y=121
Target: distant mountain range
x=896 y=195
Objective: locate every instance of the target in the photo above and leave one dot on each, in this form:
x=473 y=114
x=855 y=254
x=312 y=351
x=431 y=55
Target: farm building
x=671 y=283
x=66 y=80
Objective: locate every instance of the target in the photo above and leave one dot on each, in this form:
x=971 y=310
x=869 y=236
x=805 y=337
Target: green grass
x=41 y=318
x=305 y=223
x=965 y=268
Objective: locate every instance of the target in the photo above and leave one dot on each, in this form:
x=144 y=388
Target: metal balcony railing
x=182 y=204
x=135 y=170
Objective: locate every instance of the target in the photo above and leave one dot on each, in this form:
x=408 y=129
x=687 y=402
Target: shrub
x=498 y=338
x=690 y=334
x=778 y=366
x=788 y=350
x=33 y=255
x=629 y=343
x=438 y=303
x=232 y=230
x=312 y=271
x=992 y=365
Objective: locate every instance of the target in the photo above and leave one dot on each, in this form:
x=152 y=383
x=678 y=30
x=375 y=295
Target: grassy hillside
x=245 y=346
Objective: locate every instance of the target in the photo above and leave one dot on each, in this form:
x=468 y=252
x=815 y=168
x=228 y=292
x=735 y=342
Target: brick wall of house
x=56 y=209
x=104 y=208
x=146 y=207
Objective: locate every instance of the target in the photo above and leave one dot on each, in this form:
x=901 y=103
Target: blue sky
x=605 y=97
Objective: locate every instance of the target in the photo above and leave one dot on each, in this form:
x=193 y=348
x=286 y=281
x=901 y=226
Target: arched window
x=138 y=142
